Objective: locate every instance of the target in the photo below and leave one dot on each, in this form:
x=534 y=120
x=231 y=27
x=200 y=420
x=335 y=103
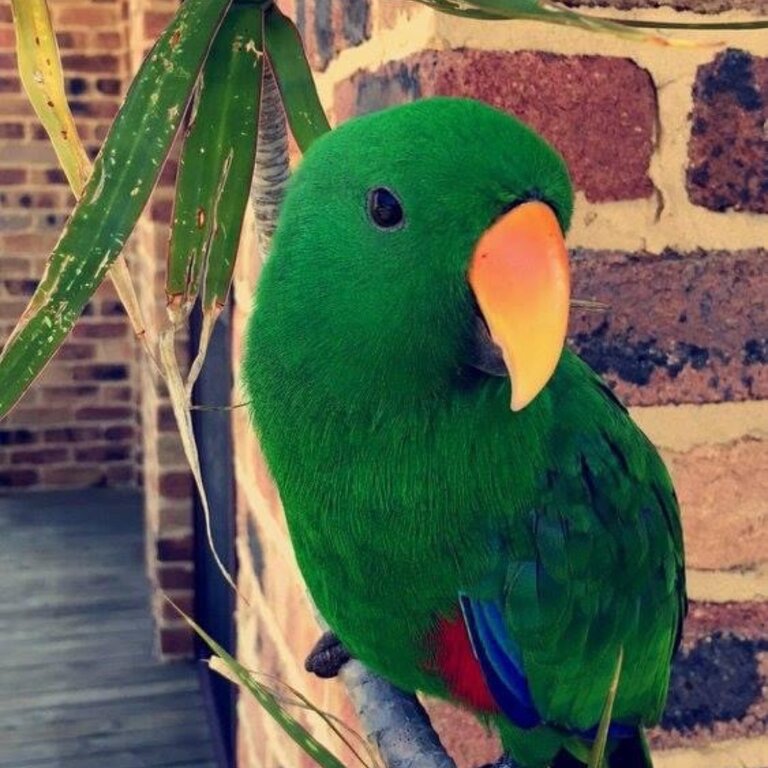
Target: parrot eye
x=384 y=208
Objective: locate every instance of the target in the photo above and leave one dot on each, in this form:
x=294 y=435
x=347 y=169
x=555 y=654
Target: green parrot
x=473 y=511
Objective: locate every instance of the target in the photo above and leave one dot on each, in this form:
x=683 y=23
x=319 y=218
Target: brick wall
x=77 y=426
x=669 y=154
x=167 y=484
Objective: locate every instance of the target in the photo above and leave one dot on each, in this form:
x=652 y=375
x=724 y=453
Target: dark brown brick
x=329 y=26
x=121 y=474
x=176 y=549
x=72 y=434
x=96 y=413
x=175 y=485
x=69 y=351
x=99 y=64
x=10 y=85
x=101 y=453
x=17 y=437
x=728 y=146
x=40 y=456
x=13 y=176
x=105 y=372
x=718 y=678
x=598 y=111
x=99 y=330
x=176 y=641
x=18 y=478
x=11 y=131
x=119 y=433
x=175 y=577
x=680 y=327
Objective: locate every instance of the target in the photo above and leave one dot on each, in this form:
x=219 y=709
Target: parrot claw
x=327 y=656
x=505 y=761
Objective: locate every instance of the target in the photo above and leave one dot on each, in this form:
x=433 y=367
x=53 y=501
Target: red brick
x=176 y=641
x=103 y=453
x=96 y=413
x=681 y=327
x=99 y=63
x=599 y=112
x=87 y=15
x=99 y=330
x=728 y=147
x=13 y=176
x=108 y=40
x=73 y=477
x=72 y=434
x=184 y=600
x=175 y=485
x=175 y=577
x=121 y=474
x=10 y=85
x=178 y=548
x=155 y=22
x=70 y=351
x=68 y=394
x=41 y=456
x=11 y=131
x=100 y=372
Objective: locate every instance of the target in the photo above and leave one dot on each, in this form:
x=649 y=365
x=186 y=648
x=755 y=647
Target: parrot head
x=418 y=246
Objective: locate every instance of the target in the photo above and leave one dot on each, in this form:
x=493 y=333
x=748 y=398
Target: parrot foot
x=327 y=657
x=505 y=761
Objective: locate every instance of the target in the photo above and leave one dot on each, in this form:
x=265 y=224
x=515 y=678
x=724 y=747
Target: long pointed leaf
x=40 y=69
x=41 y=73
x=552 y=13
x=294 y=78
x=123 y=177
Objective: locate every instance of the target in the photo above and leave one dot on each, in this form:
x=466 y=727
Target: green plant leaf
x=123 y=177
x=41 y=73
x=40 y=70
x=294 y=79
x=216 y=164
x=267 y=699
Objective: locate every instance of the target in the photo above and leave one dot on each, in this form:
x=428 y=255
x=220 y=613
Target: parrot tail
x=631 y=752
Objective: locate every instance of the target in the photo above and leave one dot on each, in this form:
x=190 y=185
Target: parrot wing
x=593 y=569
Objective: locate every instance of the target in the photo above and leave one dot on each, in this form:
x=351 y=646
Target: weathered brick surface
x=681 y=328
x=598 y=111
x=728 y=148
x=77 y=388
x=329 y=26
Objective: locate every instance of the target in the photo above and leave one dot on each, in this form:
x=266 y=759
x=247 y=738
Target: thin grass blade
x=552 y=13
x=597 y=754
x=303 y=110
x=215 y=173
x=123 y=177
x=292 y=727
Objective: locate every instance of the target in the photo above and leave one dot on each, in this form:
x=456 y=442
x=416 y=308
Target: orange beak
x=520 y=277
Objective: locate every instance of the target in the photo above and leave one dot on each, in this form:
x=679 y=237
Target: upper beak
x=520 y=277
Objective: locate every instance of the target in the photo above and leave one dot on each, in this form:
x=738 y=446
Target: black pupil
x=386 y=210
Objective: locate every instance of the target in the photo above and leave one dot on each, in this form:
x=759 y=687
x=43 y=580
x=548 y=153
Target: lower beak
x=520 y=277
